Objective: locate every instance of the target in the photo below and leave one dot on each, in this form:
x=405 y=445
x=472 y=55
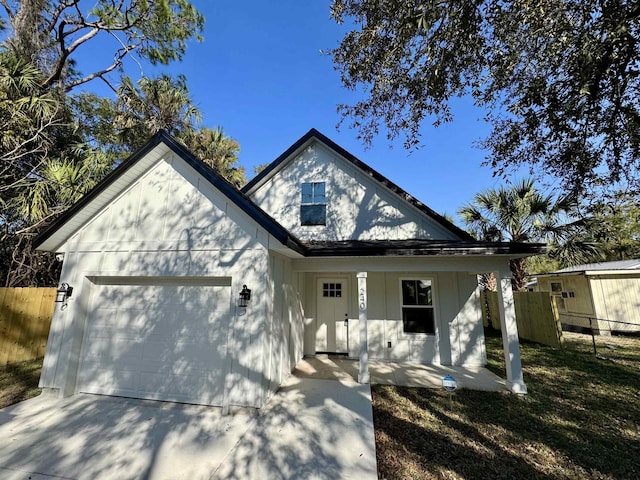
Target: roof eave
x=511 y=250
x=236 y=196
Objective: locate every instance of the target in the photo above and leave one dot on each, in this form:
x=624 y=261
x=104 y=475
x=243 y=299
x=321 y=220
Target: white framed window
x=313 y=206
x=418 y=314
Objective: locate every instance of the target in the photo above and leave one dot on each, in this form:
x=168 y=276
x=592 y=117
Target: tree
x=521 y=213
x=218 y=151
x=614 y=222
x=560 y=79
x=163 y=103
x=49 y=34
x=56 y=146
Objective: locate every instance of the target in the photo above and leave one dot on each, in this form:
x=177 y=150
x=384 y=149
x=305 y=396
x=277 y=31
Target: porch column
x=363 y=371
x=510 y=341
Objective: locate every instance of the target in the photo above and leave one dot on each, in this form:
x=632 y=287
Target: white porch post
x=363 y=372
x=510 y=341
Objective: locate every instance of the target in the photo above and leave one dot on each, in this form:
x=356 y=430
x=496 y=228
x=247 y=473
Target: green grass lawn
x=580 y=420
x=19 y=381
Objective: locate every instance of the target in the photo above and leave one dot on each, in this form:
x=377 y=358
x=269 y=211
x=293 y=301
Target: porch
x=337 y=367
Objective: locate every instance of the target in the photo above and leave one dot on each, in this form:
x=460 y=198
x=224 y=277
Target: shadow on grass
x=435 y=442
x=19 y=381
x=578 y=421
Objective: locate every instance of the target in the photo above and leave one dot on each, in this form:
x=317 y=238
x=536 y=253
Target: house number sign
x=362 y=299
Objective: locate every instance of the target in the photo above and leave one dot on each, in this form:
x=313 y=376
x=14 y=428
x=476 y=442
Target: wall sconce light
x=245 y=296
x=63 y=293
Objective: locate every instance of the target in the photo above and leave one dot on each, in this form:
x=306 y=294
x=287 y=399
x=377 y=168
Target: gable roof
x=160 y=144
x=314 y=134
x=67 y=224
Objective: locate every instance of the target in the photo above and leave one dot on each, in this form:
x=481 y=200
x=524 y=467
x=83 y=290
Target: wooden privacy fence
x=536 y=316
x=25 y=318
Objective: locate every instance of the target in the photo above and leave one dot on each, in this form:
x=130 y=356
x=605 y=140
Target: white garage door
x=162 y=342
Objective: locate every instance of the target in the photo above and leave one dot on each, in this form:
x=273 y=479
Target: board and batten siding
x=358 y=207
x=284 y=328
x=170 y=226
x=617 y=297
x=459 y=338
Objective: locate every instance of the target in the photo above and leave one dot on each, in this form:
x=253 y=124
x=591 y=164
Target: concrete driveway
x=311 y=429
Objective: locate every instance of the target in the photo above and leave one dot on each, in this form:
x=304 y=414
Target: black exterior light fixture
x=245 y=296
x=63 y=293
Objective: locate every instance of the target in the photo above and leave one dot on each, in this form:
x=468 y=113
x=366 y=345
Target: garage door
x=162 y=342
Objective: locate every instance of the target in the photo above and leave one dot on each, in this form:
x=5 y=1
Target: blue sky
x=260 y=74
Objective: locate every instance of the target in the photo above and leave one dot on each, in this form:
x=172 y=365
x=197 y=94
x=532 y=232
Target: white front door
x=331 y=315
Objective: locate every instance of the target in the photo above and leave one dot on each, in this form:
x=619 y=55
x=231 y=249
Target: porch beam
x=363 y=370
x=469 y=263
x=510 y=341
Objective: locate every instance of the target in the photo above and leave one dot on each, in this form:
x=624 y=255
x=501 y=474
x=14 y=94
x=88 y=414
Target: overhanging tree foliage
x=56 y=144
x=522 y=213
x=559 y=78
x=50 y=34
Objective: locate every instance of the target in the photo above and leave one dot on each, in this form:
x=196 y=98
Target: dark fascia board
x=420 y=248
x=313 y=133
x=226 y=188
x=558 y=274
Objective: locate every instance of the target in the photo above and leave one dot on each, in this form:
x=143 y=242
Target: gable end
x=290 y=153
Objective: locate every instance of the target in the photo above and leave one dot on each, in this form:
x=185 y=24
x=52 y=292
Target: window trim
x=313 y=203
x=416 y=335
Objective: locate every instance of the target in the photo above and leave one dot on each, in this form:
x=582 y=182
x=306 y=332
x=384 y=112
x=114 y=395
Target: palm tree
x=521 y=213
x=163 y=103
x=218 y=151
x=29 y=118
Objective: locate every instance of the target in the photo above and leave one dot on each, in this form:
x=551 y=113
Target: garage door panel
x=181 y=357
x=158 y=342
x=118 y=381
x=113 y=351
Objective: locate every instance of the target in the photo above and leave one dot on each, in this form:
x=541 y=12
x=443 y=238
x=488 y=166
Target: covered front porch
x=340 y=368
x=370 y=326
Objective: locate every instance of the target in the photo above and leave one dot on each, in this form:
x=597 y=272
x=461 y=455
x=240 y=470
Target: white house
x=337 y=258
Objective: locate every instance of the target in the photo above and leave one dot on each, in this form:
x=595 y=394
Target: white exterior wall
x=284 y=327
x=174 y=226
x=358 y=207
x=459 y=337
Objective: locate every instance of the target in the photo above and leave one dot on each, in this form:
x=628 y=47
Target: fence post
x=593 y=336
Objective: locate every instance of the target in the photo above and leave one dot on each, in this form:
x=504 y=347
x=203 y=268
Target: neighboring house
x=608 y=293
x=338 y=259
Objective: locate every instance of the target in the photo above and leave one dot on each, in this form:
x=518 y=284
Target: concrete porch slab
x=336 y=367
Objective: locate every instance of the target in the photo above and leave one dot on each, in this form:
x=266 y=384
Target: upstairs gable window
x=313 y=208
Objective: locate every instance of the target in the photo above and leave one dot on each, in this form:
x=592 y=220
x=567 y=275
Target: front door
x=331 y=315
